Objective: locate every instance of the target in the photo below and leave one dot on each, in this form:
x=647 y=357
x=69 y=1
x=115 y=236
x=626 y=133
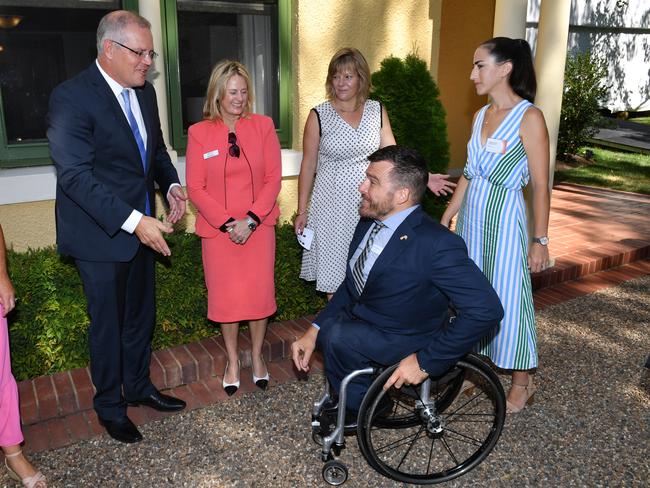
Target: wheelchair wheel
x=415 y=444
x=335 y=473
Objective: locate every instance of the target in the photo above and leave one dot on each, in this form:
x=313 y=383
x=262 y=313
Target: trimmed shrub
x=417 y=117
x=584 y=90
x=49 y=327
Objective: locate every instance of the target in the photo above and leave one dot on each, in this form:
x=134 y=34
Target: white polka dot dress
x=334 y=207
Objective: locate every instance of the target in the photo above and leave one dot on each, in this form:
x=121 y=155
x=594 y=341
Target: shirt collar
x=116 y=88
x=395 y=220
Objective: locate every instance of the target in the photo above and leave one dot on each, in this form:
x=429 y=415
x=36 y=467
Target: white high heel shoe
x=261 y=381
x=230 y=388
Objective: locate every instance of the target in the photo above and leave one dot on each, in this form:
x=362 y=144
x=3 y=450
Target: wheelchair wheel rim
x=407 y=451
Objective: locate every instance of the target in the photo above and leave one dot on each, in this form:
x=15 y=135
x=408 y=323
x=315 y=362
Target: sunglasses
x=233 y=150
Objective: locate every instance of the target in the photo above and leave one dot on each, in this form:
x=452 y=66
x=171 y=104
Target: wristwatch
x=252 y=225
x=541 y=240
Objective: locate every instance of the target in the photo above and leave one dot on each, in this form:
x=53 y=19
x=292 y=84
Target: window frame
x=169 y=21
x=36 y=152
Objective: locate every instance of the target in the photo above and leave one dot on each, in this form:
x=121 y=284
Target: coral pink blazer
x=221 y=186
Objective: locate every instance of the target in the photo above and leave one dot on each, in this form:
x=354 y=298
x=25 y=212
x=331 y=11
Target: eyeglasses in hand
x=233 y=150
x=141 y=54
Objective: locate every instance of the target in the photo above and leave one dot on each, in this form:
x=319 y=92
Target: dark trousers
x=121 y=305
x=348 y=345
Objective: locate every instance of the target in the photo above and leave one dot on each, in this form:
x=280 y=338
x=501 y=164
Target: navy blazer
x=423 y=269
x=100 y=178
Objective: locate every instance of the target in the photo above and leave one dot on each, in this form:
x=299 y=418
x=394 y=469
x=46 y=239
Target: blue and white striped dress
x=492 y=221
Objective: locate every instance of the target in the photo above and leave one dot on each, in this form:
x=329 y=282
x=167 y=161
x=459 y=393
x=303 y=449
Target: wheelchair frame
x=426 y=413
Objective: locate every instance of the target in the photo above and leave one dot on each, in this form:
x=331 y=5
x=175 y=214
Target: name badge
x=497 y=146
x=211 y=154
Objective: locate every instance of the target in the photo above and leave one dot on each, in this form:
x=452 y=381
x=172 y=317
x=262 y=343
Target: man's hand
x=7 y=294
x=407 y=373
x=176 y=198
x=440 y=185
x=149 y=231
x=302 y=349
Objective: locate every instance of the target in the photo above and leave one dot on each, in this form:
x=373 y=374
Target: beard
x=376 y=209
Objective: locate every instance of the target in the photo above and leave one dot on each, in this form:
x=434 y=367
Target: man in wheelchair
x=404 y=272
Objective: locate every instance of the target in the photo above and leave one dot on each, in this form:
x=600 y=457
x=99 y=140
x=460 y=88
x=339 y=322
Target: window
x=200 y=33
x=42 y=43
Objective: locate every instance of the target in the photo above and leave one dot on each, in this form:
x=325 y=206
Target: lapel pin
x=403 y=238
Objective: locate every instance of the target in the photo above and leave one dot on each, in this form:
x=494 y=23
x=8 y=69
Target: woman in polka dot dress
x=339 y=135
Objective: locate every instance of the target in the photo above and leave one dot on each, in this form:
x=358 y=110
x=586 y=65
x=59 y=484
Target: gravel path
x=589 y=426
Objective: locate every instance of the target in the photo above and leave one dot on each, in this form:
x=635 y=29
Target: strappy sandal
x=35 y=481
x=530 y=392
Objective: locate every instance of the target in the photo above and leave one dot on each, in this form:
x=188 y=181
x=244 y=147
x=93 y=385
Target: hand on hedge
x=150 y=232
x=7 y=294
x=176 y=198
x=440 y=185
x=240 y=231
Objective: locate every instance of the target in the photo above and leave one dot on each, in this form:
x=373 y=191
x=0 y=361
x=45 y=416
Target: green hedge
x=49 y=327
x=412 y=98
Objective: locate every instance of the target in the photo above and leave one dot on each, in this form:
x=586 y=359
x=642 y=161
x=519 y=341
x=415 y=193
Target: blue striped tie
x=138 y=138
x=357 y=270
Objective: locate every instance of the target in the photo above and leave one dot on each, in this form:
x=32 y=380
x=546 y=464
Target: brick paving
x=593 y=229
x=599 y=238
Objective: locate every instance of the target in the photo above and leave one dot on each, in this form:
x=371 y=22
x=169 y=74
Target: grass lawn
x=641 y=120
x=609 y=169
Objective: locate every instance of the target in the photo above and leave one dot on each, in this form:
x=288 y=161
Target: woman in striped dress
x=508 y=148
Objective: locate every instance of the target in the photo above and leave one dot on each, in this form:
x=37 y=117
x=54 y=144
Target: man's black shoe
x=160 y=402
x=122 y=430
x=329 y=417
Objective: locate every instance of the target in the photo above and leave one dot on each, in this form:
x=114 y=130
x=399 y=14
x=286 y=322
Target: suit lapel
x=360 y=231
x=104 y=92
x=144 y=110
x=403 y=237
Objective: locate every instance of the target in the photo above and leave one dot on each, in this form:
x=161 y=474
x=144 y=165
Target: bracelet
x=223 y=227
x=302 y=213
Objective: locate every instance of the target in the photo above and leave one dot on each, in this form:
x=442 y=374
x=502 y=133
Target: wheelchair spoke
x=448 y=449
x=410 y=447
x=462 y=437
x=399 y=442
x=430 y=458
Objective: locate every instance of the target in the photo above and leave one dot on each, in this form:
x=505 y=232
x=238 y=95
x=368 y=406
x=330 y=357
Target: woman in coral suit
x=233 y=179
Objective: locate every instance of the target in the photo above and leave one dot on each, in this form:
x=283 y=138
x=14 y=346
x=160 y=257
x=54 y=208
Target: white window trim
x=38 y=183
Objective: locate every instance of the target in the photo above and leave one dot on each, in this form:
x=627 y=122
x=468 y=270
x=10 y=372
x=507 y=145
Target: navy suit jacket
x=100 y=178
x=423 y=269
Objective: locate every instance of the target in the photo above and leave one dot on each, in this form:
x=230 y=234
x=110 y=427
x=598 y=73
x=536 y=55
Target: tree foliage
x=584 y=90
x=407 y=90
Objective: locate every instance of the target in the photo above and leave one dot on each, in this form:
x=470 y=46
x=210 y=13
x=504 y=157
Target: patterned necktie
x=138 y=138
x=357 y=270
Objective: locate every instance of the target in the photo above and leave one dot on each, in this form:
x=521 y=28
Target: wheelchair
x=425 y=434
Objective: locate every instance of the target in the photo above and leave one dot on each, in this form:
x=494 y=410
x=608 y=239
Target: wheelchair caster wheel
x=335 y=473
x=317 y=438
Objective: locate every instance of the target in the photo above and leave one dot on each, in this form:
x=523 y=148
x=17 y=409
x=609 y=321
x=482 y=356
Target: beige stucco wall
x=28 y=225
x=465 y=24
x=378 y=28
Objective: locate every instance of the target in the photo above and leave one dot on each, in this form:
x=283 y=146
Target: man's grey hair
x=113 y=24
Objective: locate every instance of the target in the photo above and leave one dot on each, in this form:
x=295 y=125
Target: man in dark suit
x=404 y=272
x=107 y=146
